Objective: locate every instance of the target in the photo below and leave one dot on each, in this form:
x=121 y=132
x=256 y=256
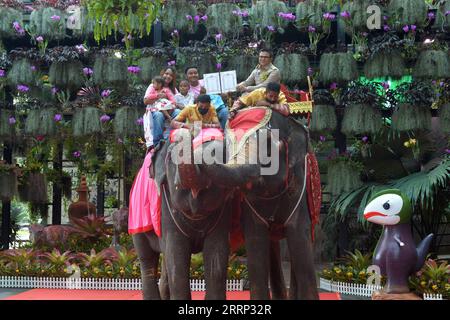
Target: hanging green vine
x=131 y=17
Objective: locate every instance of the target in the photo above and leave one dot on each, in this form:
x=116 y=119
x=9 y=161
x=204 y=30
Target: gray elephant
x=195 y=217
x=275 y=207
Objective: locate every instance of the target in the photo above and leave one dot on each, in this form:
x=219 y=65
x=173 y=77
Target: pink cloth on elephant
x=145 y=204
x=205 y=135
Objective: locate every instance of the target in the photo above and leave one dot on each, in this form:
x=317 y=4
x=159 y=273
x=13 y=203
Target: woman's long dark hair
x=173 y=85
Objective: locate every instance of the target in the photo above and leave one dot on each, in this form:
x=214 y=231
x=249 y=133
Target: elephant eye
x=386 y=205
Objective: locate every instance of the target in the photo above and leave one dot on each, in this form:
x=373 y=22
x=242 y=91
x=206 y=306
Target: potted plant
x=8 y=181
x=8 y=16
x=179 y=15
x=343 y=174
x=323 y=117
x=413 y=109
x=385 y=58
x=294 y=67
x=110 y=70
x=338 y=67
x=362 y=108
x=405 y=13
x=432 y=64
x=225 y=18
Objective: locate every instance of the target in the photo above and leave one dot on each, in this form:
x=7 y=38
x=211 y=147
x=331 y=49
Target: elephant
x=275 y=207
x=195 y=216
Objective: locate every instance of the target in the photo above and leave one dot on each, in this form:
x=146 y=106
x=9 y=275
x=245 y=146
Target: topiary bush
x=66 y=75
x=86 y=121
x=343 y=175
x=385 y=64
x=432 y=64
x=40 y=122
x=243 y=65
x=408 y=12
x=7 y=17
x=338 y=67
x=33 y=188
x=444 y=117
x=222 y=20
x=21 y=73
x=110 y=71
x=323 y=117
x=174 y=15
x=408 y=117
x=358 y=15
x=150 y=67
x=310 y=12
x=293 y=67
x=265 y=13
x=125 y=122
x=44 y=22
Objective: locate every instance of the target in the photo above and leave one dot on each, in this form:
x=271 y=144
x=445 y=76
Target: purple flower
x=447 y=151
x=129 y=37
x=106 y=93
x=119 y=140
x=2 y=73
x=385 y=18
x=16 y=26
x=197 y=19
x=364 y=34
x=286 y=16
x=333 y=86
x=345 y=14
x=12 y=120
x=87 y=71
x=204 y=18
x=189 y=17
x=171 y=63
x=322 y=138
x=54 y=90
x=23 y=88
x=441 y=84
x=105 y=118
x=310 y=71
x=39 y=39
x=271 y=28
x=219 y=66
x=447 y=13
x=140 y=121
x=244 y=13
x=174 y=33
x=33 y=68
x=311 y=29
x=386 y=28
x=57 y=117
x=413 y=27
x=218 y=37
x=76 y=154
x=55 y=18
x=433 y=82
x=134 y=69
x=431 y=15
x=365 y=139
x=385 y=85
x=405 y=28
x=80 y=48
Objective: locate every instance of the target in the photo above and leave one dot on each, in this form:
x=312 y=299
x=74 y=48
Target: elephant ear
x=159 y=165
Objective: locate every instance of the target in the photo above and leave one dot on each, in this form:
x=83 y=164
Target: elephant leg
x=215 y=256
x=177 y=258
x=257 y=243
x=300 y=251
x=277 y=284
x=148 y=259
x=292 y=286
x=164 y=290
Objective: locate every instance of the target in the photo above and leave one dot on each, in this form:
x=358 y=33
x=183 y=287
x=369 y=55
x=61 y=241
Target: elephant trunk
x=232 y=175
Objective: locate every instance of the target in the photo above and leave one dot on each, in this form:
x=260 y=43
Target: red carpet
x=66 y=294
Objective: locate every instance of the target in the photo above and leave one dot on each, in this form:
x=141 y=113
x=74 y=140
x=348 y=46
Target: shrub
x=43 y=22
